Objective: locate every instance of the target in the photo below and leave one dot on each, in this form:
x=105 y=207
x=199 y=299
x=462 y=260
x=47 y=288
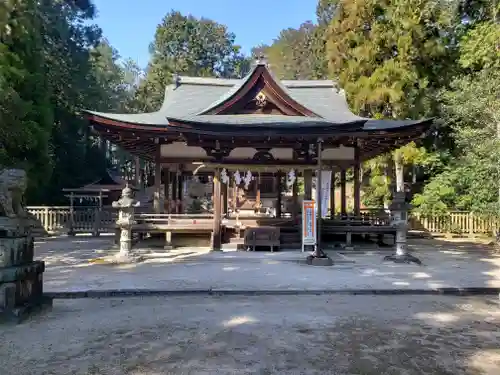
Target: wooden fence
x=455 y=222
x=64 y=219
x=61 y=219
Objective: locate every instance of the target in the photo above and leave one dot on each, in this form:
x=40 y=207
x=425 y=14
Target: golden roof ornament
x=261 y=99
x=261 y=60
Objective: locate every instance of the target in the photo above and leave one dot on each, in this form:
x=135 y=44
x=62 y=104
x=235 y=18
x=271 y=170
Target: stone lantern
x=126 y=208
x=399 y=211
x=21 y=277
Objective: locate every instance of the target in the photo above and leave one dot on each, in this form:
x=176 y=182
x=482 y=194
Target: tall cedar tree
x=391 y=57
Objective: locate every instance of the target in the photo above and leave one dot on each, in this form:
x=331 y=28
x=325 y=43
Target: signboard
x=326 y=182
x=308 y=223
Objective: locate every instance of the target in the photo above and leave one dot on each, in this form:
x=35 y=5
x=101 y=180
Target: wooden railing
x=456 y=222
x=63 y=219
x=60 y=219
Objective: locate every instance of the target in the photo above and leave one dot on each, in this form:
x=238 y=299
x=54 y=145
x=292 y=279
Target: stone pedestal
x=21 y=278
x=399 y=210
x=319 y=261
x=126 y=208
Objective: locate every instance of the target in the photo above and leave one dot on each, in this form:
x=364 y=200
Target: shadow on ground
x=446 y=265
x=259 y=335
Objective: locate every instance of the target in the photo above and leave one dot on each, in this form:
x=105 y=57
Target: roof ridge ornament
x=261 y=59
x=261 y=99
x=339 y=90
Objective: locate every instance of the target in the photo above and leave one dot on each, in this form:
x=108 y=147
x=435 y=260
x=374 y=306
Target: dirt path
x=359 y=335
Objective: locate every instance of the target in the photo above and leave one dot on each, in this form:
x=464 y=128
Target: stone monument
x=126 y=208
x=21 y=278
x=399 y=209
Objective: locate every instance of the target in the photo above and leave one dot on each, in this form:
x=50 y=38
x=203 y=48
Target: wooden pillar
x=258 y=203
x=157 y=193
x=216 y=197
x=332 y=194
x=98 y=217
x=343 y=192
x=357 y=183
x=71 y=231
x=180 y=193
x=174 y=186
x=308 y=174
x=225 y=208
x=318 y=251
x=166 y=182
x=279 y=187
x=234 y=203
x=137 y=175
x=295 y=198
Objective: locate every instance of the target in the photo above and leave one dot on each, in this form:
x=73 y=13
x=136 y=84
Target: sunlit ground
x=71 y=266
x=259 y=335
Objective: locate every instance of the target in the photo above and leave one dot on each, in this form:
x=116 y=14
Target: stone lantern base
x=403 y=258
x=319 y=258
x=399 y=209
x=21 y=278
x=319 y=261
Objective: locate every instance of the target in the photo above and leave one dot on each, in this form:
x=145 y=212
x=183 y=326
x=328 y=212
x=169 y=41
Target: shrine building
x=251 y=139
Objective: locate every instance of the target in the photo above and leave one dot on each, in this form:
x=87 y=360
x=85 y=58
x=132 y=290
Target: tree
x=325 y=11
x=25 y=117
x=189 y=46
x=296 y=53
x=391 y=58
x=53 y=63
x=472 y=109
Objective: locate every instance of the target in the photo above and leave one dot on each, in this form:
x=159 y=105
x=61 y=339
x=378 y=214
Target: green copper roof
x=190 y=97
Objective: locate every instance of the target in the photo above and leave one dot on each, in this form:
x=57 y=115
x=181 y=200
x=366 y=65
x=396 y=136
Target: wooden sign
x=308 y=223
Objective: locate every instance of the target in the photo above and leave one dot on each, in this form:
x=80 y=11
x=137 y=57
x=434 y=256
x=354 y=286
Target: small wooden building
x=101 y=192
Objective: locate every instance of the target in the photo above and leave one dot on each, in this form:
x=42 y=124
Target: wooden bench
x=262 y=236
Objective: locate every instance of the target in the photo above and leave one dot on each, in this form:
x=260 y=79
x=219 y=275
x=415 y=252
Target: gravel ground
x=359 y=335
x=68 y=269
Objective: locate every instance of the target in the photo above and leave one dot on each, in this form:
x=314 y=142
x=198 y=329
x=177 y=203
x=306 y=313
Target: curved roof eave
x=393 y=125
x=156 y=119
x=281 y=121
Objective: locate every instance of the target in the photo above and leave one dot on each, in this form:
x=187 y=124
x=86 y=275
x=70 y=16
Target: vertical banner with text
x=326 y=182
x=308 y=223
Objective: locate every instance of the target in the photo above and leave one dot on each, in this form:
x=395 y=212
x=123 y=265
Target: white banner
x=308 y=223
x=326 y=183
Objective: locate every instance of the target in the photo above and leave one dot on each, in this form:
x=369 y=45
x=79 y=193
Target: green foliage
x=480 y=48
x=296 y=53
x=395 y=59
x=25 y=118
x=52 y=64
x=189 y=46
x=325 y=11
x=389 y=56
x=471 y=107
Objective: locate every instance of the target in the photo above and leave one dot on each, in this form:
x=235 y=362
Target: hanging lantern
x=224 y=177
x=237 y=177
x=290 y=179
x=247 y=179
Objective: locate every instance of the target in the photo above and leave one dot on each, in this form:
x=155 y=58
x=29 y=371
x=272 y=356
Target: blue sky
x=130 y=25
